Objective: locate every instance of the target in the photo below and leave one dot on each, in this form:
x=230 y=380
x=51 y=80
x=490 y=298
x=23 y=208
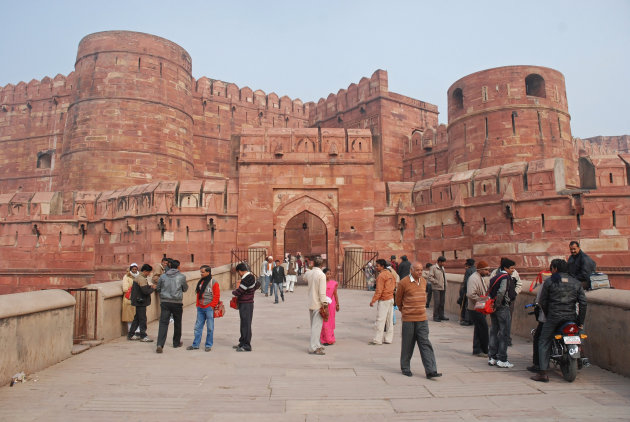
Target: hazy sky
x=308 y=49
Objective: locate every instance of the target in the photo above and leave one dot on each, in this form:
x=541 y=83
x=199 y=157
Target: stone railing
x=36 y=331
x=608 y=342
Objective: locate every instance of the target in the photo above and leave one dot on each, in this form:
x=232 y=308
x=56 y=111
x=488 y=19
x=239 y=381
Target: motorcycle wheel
x=569 y=368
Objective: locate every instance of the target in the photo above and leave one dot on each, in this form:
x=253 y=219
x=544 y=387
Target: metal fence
x=359 y=271
x=85 y=314
x=253 y=257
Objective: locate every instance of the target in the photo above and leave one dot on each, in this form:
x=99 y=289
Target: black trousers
x=168 y=309
x=535 y=358
x=429 y=293
x=480 y=333
x=139 y=321
x=438 y=303
x=246 y=312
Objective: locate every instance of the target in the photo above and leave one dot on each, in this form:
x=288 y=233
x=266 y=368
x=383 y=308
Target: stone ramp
x=279 y=381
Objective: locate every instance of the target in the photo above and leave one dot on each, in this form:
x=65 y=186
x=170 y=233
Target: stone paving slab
x=279 y=381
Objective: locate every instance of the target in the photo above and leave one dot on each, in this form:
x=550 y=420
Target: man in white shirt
x=317 y=300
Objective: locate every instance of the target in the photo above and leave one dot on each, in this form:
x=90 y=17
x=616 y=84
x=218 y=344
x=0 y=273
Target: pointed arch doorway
x=306 y=233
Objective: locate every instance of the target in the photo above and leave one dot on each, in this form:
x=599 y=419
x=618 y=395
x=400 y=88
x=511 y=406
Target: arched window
x=535 y=86
x=44 y=160
x=458 y=99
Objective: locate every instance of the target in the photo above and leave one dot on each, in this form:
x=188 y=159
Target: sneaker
x=170 y=321
x=192 y=348
x=207 y=349
x=505 y=364
x=146 y=340
x=492 y=362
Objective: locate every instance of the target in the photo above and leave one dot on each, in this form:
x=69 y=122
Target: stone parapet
x=36 y=331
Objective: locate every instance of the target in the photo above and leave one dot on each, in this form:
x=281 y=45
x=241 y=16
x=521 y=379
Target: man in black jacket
x=245 y=293
x=277 y=279
x=404 y=267
x=141 y=292
x=580 y=265
x=558 y=298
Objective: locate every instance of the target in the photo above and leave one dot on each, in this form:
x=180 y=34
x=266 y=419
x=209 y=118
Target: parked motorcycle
x=566 y=348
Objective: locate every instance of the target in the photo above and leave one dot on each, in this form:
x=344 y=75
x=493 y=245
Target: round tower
x=510 y=114
x=130 y=121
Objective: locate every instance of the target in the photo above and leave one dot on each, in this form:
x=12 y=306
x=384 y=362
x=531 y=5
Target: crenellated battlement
x=347 y=99
x=37 y=90
x=206 y=89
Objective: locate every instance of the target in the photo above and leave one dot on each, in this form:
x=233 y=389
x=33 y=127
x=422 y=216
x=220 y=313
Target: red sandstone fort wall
x=32 y=121
x=129 y=158
x=391 y=117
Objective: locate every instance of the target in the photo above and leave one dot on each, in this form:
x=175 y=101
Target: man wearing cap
x=477 y=287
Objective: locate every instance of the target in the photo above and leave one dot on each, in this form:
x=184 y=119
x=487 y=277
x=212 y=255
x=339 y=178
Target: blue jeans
x=204 y=316
x=265 y=284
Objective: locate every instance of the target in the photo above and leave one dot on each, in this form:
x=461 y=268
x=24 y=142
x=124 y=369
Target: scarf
x=202 y=284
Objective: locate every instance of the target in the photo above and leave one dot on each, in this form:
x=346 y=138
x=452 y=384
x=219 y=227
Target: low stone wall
x=607 y=316
x=109 y=309
x=36 y=331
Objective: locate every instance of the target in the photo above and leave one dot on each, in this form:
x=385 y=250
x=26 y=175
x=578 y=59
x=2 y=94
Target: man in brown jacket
x=411 y=298
x=384 y=295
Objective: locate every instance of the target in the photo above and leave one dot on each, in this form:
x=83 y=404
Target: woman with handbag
x=141 y=292
x=327 y=337
x=208 y=294
x=128 y=312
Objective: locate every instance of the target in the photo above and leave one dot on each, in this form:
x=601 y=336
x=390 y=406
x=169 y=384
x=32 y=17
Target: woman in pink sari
x=327 y=337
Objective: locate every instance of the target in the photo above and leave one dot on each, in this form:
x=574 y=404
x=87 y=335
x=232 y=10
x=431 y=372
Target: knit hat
x=133 y=264
x=482 y=265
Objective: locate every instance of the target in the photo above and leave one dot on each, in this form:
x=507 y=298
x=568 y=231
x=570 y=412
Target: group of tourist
x=401 y=285
x=560 y=295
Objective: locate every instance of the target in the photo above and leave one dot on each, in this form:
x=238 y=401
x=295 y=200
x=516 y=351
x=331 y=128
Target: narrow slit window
x=486 y=123
x=614 y=219
x=542 y=221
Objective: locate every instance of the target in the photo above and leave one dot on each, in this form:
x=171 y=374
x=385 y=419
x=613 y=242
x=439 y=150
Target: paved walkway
x=279 y=381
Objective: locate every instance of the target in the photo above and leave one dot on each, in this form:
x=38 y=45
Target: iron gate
x=85 y=312
x=359 y=271
x=253 y=257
